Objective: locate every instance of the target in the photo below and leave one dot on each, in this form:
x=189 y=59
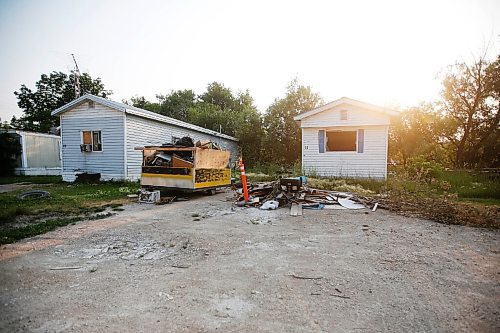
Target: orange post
x=244 y=180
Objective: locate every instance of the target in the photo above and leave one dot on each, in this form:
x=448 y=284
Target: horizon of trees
x=461 y=130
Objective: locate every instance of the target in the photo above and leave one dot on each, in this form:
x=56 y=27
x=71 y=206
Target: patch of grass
x=12 y=235
x=65 y=199
x=31 y=179
x=470 y=184
x=461 y=197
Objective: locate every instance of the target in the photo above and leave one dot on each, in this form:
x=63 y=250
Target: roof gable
x=349 y=101
x=129 y=109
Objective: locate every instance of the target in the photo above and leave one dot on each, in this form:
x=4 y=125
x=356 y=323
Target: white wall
x=42 y=151
x=110 y=162
x=145 y=132
x=356 y=116
x=372 y=163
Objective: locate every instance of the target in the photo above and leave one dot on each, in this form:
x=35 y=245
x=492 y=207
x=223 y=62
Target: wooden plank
x=296 y=210
x=211 y=159
x=180 y=163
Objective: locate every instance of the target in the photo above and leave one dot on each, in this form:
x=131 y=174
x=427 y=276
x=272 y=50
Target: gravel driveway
x=202 y=266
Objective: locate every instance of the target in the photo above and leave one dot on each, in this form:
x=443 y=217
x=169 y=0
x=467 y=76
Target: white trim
x=125 y=151
x=92 y=143
x=61 y=148
x=23 y=153
x=349 y=101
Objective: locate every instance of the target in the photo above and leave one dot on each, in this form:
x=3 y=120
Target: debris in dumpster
x=185 y=141
x=293 y=193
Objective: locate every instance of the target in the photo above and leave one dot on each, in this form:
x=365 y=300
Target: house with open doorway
x=345 y=138
x=99 y=136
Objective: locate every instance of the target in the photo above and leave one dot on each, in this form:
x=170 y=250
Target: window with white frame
x=91 y=141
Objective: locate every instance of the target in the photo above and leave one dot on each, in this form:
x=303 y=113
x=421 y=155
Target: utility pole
x=76 y=72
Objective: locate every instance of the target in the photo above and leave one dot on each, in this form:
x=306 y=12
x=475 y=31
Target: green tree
x=177 y=103
x=471 y=112
x=142 y=103
x=217 y=109
x=283 y=141
x=10 y=148
x=413 y=134
x=52 y=91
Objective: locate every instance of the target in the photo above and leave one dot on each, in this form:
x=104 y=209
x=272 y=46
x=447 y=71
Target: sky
x=384 y=52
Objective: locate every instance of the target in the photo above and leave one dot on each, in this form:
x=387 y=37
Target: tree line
x=460 y=130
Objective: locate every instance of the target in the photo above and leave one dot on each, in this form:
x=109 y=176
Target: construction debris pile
x=179 y=158
x=294 y=193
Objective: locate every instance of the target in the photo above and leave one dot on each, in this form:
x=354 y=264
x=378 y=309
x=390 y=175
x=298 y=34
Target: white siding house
x=112 y=130
x=345 y=138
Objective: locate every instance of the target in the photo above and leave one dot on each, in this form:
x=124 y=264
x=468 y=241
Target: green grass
x=12 y=235
x=472 y=185
x=464 y=185
x=65 y=199
x=30 y=179
x=67 y=203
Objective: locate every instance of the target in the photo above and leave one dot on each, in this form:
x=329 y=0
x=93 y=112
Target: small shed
x=345 y=138
x=40 y=153
x=99 y=136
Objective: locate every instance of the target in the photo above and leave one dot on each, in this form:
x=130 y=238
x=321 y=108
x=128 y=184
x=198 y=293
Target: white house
x=99 y=136
x=40 y=153
x=345 y=138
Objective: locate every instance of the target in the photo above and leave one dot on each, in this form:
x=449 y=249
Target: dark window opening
x=92 y=141
x=341 y=141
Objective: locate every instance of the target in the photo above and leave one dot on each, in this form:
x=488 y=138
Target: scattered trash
x=349 y=204
x=301 y=277
x=296 y=210
x=165 y=200
x=64 y=268
x=149 y=196
x=375 y=207
x=180 y=266
x=33 y=195
x=132 y=196
x=293 y=192
x=271 y=204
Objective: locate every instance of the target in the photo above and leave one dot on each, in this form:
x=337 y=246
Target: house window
x=341 y=140
x=91 y=105
x=92 y=141
x=343 y=115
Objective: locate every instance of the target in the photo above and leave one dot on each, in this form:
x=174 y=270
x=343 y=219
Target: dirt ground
x=203 y=266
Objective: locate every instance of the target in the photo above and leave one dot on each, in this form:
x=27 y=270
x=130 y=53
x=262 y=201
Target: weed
x=13 y=235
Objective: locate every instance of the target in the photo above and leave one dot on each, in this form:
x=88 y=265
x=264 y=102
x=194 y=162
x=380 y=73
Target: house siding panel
x=372 y=163
x=109 y=162
x=355 y=117
x=145 y=132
